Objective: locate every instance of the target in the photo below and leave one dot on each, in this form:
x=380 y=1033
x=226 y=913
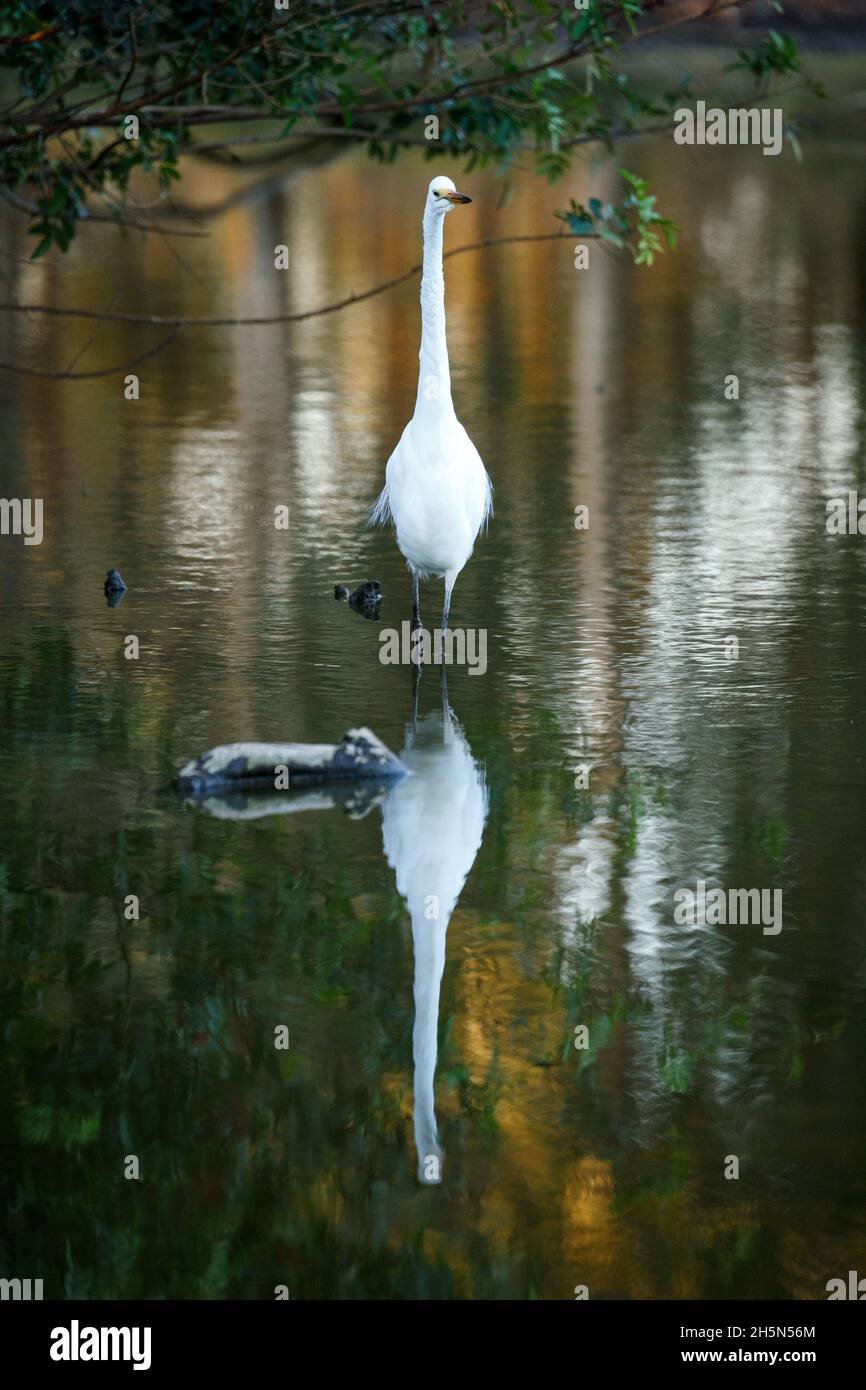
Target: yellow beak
x=457 y=197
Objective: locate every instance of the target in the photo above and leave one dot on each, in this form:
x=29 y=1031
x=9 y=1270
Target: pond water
x=420 y=1139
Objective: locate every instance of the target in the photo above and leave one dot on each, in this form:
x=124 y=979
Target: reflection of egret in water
x=432 y=824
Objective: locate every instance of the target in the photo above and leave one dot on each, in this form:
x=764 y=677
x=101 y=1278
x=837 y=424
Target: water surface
x=555 y=1167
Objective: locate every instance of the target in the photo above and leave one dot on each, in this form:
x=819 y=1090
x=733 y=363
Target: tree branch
x=160 y=320
x=31 y=210
x=103 y=371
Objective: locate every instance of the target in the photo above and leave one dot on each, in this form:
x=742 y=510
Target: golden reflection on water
x=600 y=388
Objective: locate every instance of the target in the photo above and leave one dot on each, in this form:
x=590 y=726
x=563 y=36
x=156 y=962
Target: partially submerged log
x=360 y=754
x=355 y=799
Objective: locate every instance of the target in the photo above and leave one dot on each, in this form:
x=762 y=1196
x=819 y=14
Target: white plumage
x=437 y=492
x=432 y=824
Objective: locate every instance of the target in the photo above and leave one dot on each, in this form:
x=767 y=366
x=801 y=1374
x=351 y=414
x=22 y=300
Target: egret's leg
x=416 y=602
x=446 y=708
x=416 y=690
x=415 y=654
x=447 y=609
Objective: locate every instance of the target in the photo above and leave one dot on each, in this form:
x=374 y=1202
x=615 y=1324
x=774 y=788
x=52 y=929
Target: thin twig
x=89 y=342
x=160 y=320
x=88 y=376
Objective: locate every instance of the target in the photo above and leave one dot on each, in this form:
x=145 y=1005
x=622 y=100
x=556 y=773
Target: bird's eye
x=435 y=192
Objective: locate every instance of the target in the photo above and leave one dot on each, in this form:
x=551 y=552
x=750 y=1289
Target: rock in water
x=370 y=591
x=114 y=588
x=359 y=754
x=365 y=599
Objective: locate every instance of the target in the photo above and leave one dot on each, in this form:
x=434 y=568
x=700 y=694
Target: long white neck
x=429 y=944
x=434 y=378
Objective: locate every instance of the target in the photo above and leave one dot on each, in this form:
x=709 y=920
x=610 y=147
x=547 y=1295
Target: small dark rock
x=114 y=588
x=371 y=588
x=366 y=598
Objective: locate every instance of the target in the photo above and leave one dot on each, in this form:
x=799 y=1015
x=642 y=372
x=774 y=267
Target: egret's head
x=442 y=196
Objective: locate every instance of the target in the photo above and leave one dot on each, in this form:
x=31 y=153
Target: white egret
x=432 y=825
x=437 y=492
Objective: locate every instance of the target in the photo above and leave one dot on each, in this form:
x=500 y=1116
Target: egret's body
x=432 y=824
x=437 y=492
